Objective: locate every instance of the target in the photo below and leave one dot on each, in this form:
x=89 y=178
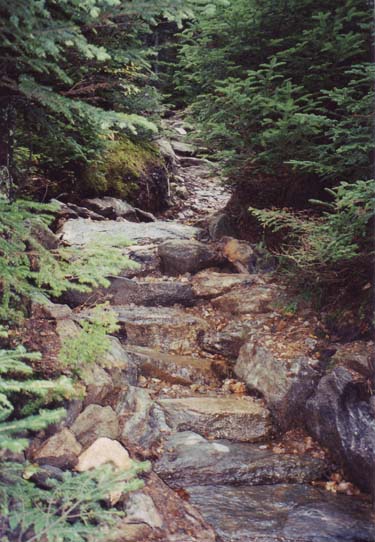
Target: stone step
x=189 y=460
x=287 y=513
x=80 y=232
x=124 y=291
x=209 y=284
x=183 y=149
x=184 y=370
x=255 y=299
x=239 y=419
x=166 y=329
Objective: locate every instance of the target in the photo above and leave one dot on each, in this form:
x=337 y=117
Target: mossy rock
x=129 y=170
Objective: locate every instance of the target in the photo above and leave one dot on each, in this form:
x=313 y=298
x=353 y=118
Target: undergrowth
x=92 y=341
x=28 y=268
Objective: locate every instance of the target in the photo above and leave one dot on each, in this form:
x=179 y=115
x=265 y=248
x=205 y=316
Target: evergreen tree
x=73 y=74
x=283 y=91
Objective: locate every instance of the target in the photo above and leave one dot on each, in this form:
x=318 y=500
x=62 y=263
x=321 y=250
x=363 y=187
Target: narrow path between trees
x=197 y=335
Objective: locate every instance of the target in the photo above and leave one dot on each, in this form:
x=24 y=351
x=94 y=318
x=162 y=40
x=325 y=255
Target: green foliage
x=283 y=88
x=93 y=340
x=72 y=510
x=27 y=268
x=329 y=247
x=123 y=164
x=18 y=386
x=73 y=75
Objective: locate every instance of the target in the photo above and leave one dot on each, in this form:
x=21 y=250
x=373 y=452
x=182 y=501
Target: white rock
x=103 y=451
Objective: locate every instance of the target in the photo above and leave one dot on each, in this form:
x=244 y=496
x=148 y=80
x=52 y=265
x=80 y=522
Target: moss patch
x=122 y=169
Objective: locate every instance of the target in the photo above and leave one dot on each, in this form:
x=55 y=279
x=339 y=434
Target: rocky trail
x=224 y=389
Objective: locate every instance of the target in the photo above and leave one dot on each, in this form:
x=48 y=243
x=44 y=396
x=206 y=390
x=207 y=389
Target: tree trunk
x=8 y=121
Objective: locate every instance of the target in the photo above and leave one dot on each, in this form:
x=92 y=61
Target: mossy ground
x=119 y=172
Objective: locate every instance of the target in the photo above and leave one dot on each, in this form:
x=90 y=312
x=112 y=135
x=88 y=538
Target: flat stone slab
x=124 y=291
x=83 y=231
x=209 y=284
x=166 y=329
x=184 y=149
x=282 y=513
x=189 y=459
x=239 y=419
x=172 y=368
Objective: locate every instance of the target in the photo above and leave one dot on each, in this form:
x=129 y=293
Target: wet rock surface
x=282 y=513
x=189 y=459
x=167 y=517
x=340 y=417
x=285 y=385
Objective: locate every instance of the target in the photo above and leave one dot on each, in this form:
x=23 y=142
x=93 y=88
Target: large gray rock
x=228 y=341
x=220 y=226
x=166 y=329
x=99 y=384
x=173 y=368
x=282 y=513
x=82 y=231
x=95 y=422
x=339 y=417
x=186 y=256
x=124 y=291
x=151 y=294
x=43 y=234
x=107 y=378
x=166 y=150
x=190 y=460
x=285 y=385
x=111 y=208
x=251 y=300
x=140 y=508
x=242 y=420
x=142 y=422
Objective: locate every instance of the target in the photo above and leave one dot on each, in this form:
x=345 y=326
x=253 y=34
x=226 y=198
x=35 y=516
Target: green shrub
x=27 y=268
x=93 y=340
x=334 y=247
x=17 y=387
x=72 y=510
